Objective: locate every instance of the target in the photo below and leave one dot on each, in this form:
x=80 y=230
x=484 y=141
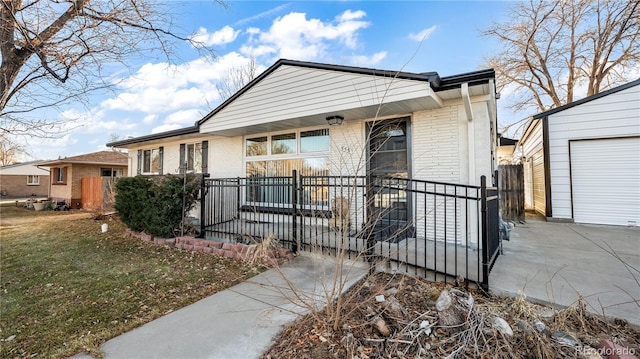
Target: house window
x=256 y=146
x=314 y=141
x=194 y=157
x=151 y=161
x=283 y=144
x=277 y=155
x=60 y=175
x=33 y=180
x=111 y=172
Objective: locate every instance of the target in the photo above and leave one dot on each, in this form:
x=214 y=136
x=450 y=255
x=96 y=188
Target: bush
x=154 y=205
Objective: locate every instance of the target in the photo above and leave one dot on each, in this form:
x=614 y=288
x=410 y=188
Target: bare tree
x=236 y=77
x=552 y=48
x=9 y=151
x=56 y=51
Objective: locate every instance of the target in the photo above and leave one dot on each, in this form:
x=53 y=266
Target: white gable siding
x=614 y=115
x=532 y=149
x=295 y=92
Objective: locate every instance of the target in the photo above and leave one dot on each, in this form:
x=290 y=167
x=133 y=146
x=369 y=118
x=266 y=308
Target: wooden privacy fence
x=98 y=193
x=511 y=186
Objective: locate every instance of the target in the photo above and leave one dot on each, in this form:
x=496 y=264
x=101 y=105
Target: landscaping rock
x=524 y=326
x=219 y=252
x=452 y=309
x=540 y=326
x=546 y=312
x=425 y=325
x=395 y=308
x=382 y=327
x=214 y=244
x=565 y=339
x=502 y=326
x=391 y=291
x=444 y=301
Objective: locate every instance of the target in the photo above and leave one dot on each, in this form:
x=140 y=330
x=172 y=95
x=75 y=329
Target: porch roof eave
x=427 y=101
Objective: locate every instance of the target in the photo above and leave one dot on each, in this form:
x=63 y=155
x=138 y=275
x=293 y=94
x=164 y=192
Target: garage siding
x=532 y=150
x=612 y=116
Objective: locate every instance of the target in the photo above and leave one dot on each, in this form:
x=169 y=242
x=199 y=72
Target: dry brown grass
x=66 y=287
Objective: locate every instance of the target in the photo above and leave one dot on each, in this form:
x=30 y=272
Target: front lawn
x=66 y=287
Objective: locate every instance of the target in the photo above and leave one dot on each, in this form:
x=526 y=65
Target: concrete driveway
x=555 y=263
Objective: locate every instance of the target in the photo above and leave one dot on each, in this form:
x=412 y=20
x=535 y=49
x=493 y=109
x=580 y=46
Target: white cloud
x=351 y=15
x=223 y=36
x=160 y=88
x=149 y=119
x=363 y=60
x=184 y=117
x=424 y=34
x=294 y=36
x=165 y=128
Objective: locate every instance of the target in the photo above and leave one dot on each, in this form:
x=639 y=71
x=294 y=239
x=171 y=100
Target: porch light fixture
x=335 y=120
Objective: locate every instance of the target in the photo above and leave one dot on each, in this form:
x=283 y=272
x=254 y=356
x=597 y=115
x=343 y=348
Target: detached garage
x=590 y=170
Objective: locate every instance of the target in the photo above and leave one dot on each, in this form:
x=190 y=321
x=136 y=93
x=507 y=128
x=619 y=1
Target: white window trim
x=59 y=177
x=142 y=171
x=284 y=156
x=186 y=157
x=297 y=154
x=32 y=183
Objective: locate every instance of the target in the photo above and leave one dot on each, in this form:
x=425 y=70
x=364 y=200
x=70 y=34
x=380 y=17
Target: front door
x=388 y=171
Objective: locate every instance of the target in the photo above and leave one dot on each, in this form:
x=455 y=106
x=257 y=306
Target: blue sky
x=153 y=96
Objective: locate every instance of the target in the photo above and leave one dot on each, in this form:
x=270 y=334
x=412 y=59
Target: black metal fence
x=436 y=230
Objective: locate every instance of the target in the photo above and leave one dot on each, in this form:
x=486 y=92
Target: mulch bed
x=407 y=324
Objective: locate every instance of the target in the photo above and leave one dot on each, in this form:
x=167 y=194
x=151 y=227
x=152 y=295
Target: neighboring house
x=24 y=180
x=67 y=173
x=582 y=160
x=506 y=149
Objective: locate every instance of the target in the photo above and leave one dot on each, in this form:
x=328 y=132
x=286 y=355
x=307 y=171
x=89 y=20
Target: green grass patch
x=66 y=287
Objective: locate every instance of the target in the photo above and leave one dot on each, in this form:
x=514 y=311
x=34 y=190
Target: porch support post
x=485 y=234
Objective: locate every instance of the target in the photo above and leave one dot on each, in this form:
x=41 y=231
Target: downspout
x=48 y=187
x=466 y=100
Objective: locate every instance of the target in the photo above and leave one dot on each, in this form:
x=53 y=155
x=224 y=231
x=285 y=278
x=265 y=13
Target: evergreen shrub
x=154 y=204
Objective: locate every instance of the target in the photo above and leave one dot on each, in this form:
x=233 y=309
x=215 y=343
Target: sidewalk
x=239 y=322
x=555 y=263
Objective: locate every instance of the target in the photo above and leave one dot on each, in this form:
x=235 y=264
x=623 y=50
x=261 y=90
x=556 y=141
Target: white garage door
x=605 y=179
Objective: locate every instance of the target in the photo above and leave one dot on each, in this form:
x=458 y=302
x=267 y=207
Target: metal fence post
x=485 y=235
x=294 y=210
x=203 y=204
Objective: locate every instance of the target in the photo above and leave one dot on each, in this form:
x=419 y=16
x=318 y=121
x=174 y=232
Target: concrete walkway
x=240 y=322
x=555 y=263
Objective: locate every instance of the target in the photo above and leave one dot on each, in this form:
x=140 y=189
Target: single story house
x=67 y=173
x=24 y=180
x=317 y=118
x=506 y=149
x=582 y=160
x=322 y=119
